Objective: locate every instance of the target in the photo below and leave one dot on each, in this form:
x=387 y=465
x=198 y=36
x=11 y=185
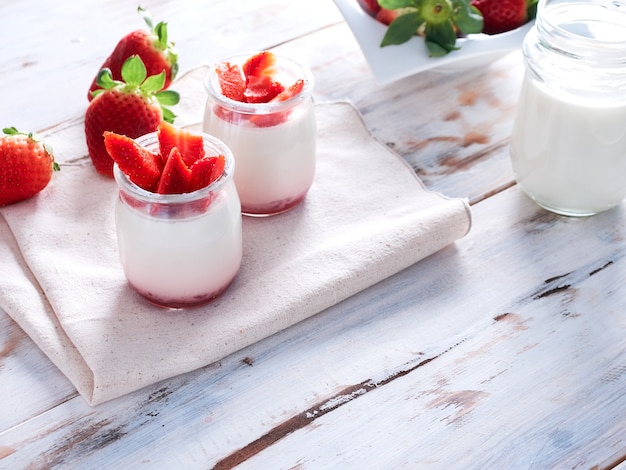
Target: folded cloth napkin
x=366 y=217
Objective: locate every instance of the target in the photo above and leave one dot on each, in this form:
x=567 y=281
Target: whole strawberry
x=440 y=22
x=500 y=16
x=154 y=48
x=133 y=106
x=26 y=165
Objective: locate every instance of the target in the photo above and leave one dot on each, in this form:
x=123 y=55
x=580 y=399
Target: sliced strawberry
x=232 y=81
x=176 y=176
x=206 y=170
x=189 y=144
x=140 y=165
x=290 y=92
x=269 y=120
x=261 y=64
x=261 y=89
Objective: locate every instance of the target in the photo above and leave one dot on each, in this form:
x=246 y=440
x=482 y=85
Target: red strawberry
x=176 y=176
x=154 y=48
x=386 y=16
x=290 y=92
x=27 y=165
x=260 y=64
x=268 y=120
x=189 y=144
x=140 y=165
x=261 y=89
x=133 y=107
x=205 y=171
x=371 y=6
x=500 y=16
x=232 y=81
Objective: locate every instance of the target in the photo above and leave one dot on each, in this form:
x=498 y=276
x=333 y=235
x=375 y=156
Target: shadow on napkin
x=366 y=217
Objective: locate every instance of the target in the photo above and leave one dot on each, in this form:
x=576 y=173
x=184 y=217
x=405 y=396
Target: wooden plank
x=30 y=383
x=505 y=350
x=61 y=55
x=479 y=354
x=453 y=128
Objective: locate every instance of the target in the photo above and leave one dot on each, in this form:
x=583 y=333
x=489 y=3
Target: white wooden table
x=505 y=350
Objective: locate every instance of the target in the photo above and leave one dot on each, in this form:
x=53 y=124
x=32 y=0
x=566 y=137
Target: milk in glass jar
x=568 y=146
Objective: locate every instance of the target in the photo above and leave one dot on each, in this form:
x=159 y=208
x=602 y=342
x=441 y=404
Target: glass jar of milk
x=568 y=146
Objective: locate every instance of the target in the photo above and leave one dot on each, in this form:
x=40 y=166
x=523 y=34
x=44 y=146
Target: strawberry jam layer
x=177 y=303
x=274 y=164
x=273 y=208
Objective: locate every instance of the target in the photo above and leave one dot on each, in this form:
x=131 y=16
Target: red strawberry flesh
x=206 y=170
x=176 y=176
x=261 y=64
x=261 y=89
x=500 y=16
x=232 y=81
x=189 y=144
x=140 y=165
x=273 y=119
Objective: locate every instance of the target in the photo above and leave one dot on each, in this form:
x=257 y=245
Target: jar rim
x=297 y=69
x=588 y=27
x=150 y=141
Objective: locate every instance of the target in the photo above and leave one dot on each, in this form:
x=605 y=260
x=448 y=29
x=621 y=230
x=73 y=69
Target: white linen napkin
x=366 y=217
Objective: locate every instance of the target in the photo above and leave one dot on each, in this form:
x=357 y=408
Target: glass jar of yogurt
x=274 y=143
x=568 y=145
x=180 y=250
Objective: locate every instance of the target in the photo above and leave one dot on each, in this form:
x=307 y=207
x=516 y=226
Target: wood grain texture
x=505 y=350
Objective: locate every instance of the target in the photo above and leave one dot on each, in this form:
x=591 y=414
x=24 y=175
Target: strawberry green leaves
x=439 y=21
x=134 y=77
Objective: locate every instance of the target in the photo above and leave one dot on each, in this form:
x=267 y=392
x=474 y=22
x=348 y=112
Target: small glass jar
x=180 y=250
x=568 y=145
x=274 y=143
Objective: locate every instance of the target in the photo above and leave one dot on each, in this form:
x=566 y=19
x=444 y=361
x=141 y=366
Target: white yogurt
x=569 y=155
x=275 y=165
x=180 y=250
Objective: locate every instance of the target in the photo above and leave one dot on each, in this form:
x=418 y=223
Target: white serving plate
x=392 y=63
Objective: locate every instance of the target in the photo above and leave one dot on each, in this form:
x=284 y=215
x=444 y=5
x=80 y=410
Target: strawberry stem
x=439 y=21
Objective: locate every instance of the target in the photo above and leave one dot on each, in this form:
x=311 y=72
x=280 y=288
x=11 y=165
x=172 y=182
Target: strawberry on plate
x=153 y=46
x=371 y=6
x=500 y=16
x=132 y=107
x=27 y=164
x=440 y=22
